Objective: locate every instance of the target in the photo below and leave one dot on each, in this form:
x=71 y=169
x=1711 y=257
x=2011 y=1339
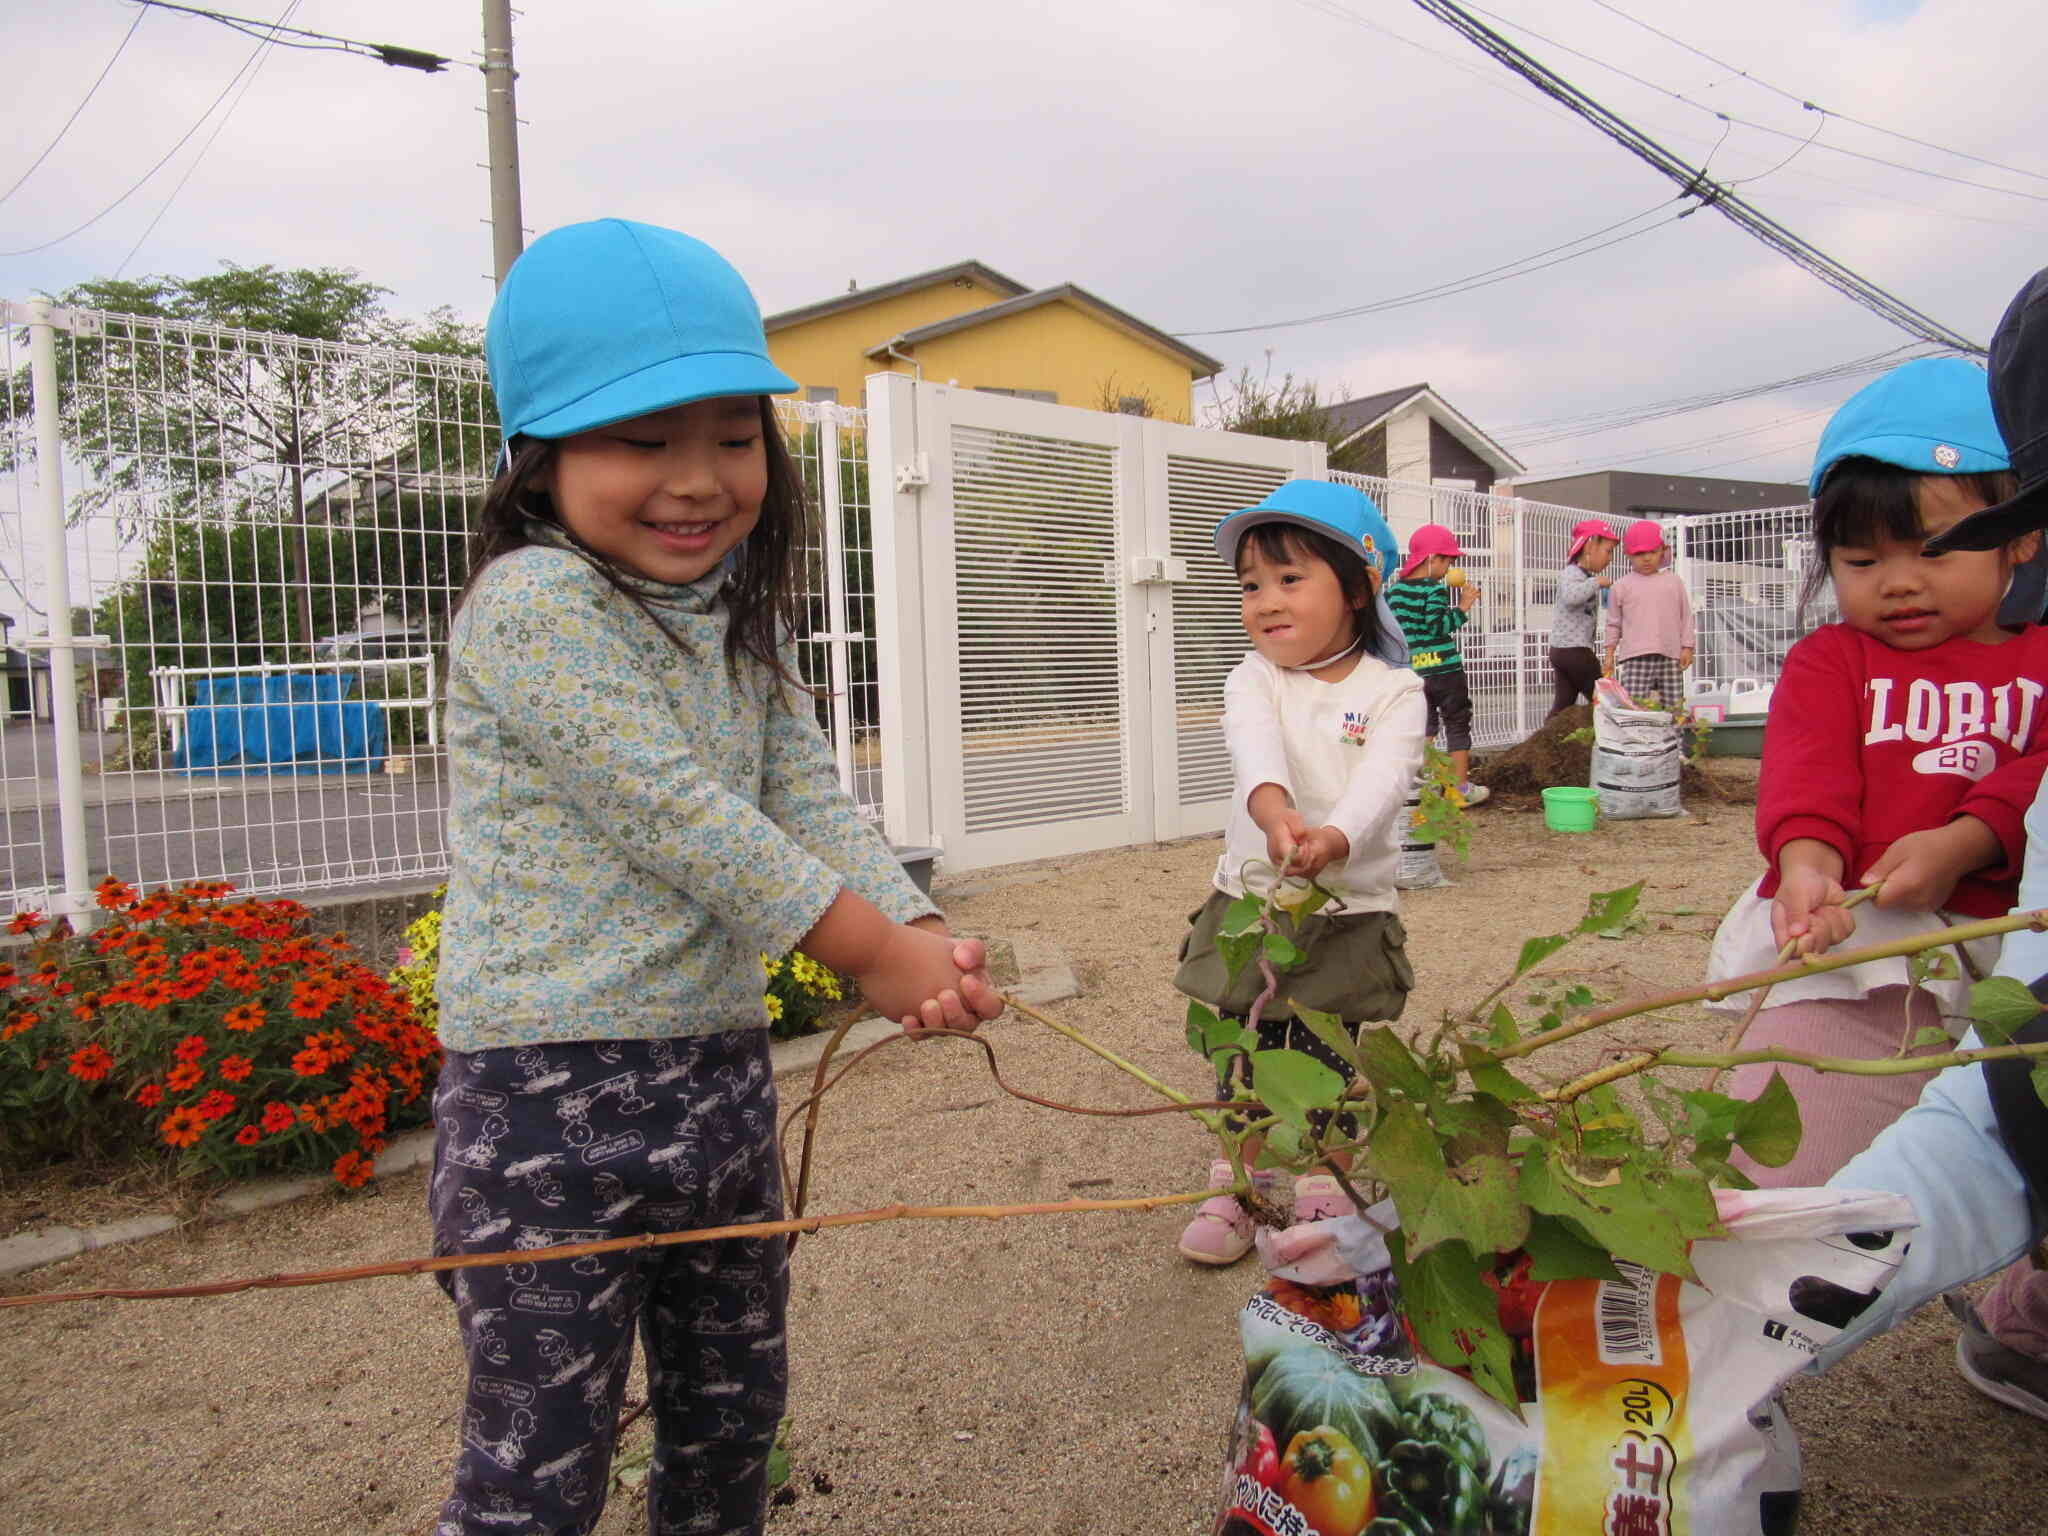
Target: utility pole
x=501 y=116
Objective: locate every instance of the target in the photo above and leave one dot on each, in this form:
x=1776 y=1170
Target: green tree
x=1294 y=409
x=248 y=396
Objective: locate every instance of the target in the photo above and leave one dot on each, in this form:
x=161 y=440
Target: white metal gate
x=1055 y=622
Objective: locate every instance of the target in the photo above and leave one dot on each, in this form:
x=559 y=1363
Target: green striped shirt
x=1431 y=622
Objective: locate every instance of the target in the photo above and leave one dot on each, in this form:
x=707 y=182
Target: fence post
x=898 y=469
x=838 y=636
x=57 y=603
x=1521 y=570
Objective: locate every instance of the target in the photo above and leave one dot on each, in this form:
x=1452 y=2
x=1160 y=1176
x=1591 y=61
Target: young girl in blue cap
x=642 y=806
x=1324 y=722
x=1905 y=744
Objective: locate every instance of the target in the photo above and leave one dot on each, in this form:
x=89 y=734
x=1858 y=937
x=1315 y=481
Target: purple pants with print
x=546 y=1144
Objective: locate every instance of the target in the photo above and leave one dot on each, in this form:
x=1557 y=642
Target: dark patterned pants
x=1646 y=675
x=570 y=1143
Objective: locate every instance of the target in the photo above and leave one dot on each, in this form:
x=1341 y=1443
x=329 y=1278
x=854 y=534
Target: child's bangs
x=1285 y=544
x=1866 y=503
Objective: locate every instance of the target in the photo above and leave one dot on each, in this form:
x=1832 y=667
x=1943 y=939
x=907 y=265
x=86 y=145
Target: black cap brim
x=1997 y=525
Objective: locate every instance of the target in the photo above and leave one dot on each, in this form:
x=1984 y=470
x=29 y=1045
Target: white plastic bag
x=1637 y=756
x=1648 y=1403
x=1418 y=868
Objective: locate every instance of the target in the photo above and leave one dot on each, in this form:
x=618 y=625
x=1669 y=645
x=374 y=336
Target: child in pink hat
x=1588 y=572
x=1649 y=620
x=1431 y=616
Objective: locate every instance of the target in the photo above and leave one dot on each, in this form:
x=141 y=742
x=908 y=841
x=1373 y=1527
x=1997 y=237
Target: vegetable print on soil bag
x=1647 y=1401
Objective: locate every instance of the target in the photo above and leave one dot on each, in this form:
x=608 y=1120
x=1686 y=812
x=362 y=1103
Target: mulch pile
x=1523 y=772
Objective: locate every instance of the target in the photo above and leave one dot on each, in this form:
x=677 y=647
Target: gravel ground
x=1044 y=1375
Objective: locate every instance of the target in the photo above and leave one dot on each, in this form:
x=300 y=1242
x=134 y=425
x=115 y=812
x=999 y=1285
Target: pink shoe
x=1221 y=1232
x=1318 y=1197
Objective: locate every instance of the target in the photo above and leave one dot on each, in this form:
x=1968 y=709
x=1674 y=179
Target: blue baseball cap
x=605 y=321
x=1932 y=416
x=1335 y=511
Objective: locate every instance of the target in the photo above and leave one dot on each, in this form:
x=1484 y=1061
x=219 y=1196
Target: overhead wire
x=1485 y=278
x=1783 y=133
x=1695 y=183
x=1813 y=106
x=1775 y=424
x=183 y=139
x=105 y=70
x=262 y=57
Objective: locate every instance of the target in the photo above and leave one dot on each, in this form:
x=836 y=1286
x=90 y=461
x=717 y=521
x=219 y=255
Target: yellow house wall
x=1062 y=348
x=829 y=351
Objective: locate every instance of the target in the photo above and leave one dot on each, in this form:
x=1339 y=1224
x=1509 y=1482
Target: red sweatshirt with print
x=1865 y=744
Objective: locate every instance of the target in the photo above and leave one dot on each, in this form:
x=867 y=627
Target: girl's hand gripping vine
x=916 y=973
x=1808 y=908
x=1920 y=870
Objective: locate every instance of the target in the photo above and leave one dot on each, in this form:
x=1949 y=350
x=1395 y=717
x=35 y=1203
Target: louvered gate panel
x=1041 y=636
x=1208 y=630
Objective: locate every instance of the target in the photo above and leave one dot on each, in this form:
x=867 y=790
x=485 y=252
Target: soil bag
x=1418 y=869
x=1648 y=1401
x=1637 y=756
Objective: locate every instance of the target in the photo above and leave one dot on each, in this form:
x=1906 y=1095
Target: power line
x=1591 y=423
x=139 y=182
x=262 y=57
x=1483 y=279
x=1663 y=90
x=316 y=42
x=1698 y=442
x=119 y=48
x=1812 y=106
x=1695 y=183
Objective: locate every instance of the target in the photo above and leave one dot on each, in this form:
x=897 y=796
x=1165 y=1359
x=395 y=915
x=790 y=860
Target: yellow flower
x=774 y=1005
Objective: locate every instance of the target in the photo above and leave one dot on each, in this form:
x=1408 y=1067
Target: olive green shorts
x=1355 y=966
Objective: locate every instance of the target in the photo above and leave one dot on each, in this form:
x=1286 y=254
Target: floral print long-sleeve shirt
x=631 y=829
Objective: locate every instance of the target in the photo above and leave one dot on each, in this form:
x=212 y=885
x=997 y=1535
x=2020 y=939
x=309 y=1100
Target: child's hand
x=1685 y=659
x=1808 y=908
x=1284 y=831
x=927 y=979
x=1921 y=869
x=1467 y=596
x=1312 y=852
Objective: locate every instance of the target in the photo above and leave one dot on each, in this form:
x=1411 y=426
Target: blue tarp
x=291 y=722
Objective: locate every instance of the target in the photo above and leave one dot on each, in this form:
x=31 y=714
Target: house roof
x=988 y=276
x=1202 y=363
x=1354 y=417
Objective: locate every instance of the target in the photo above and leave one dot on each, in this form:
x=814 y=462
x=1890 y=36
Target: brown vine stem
x=1933 y=938
x=1859 y=1066
x=428 y=1266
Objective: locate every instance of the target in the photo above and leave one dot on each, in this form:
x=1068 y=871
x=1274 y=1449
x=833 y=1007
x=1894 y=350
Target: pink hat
x=1429 y=539
x=1591 y=528
x=1643 y=536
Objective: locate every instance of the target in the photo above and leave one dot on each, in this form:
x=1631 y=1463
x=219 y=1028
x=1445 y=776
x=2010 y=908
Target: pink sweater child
x=1649 y=616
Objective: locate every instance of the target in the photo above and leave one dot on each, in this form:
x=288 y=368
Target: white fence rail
x=214 y=541
x=229 y=559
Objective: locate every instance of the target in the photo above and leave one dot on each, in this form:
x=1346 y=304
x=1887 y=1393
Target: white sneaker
x=1474 y=794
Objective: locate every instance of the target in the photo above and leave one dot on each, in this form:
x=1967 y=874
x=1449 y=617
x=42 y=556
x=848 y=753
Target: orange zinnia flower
x=236 y=1068
x=278 y=1116
x=352 y=1170
x=248 y=1136
x=217 y=1105
x=25 y=922
x=7 y=977
x=310 y=1062
x=244 y=1017
x=182 y=1127
x=185 y=1075
x=310 y=999
x=20 y=1026
x=152 y=995
x=191 y=1048
x=149 y=1095
x=114 y=893
x=152 y=965
x=92 y=1063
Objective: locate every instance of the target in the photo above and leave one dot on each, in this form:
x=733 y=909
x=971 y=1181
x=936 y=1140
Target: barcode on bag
x=1628 y=1318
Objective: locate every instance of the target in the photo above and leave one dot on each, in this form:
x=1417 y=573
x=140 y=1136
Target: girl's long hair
x=764 y=593
x=1279 y=542
x=1865 y=501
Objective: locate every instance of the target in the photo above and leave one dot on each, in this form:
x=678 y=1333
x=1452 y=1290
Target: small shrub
x=218 y=1034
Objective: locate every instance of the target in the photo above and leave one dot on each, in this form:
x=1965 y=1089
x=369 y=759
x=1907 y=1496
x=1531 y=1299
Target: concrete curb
x=1044 y=977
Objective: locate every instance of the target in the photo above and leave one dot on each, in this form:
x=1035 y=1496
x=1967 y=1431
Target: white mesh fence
x=262 y=538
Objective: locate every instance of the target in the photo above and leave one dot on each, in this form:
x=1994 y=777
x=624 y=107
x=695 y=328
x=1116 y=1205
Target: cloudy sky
x=1210 y=165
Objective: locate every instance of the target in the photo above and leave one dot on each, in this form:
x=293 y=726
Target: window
x=822 y=394
x=1049 y=396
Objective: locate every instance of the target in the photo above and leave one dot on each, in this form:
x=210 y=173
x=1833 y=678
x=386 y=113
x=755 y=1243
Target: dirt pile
x=1551 y=756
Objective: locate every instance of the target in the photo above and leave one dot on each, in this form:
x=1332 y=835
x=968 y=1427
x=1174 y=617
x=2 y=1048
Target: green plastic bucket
x=1567 y=808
